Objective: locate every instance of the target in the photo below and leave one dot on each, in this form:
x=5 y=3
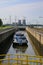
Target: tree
x=1 y=23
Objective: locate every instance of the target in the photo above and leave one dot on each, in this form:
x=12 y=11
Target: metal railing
x=21 y=59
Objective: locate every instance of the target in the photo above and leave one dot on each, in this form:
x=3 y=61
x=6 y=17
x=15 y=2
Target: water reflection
x=5 y=46
x=20 y=49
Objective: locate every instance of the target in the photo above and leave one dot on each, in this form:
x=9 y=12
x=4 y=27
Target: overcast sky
x=32 y=10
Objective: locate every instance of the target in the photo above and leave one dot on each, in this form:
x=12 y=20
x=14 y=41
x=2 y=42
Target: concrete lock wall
x=37 y=39
x=6 y=33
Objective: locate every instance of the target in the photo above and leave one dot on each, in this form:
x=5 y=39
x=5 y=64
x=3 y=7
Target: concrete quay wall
x=37 y=39
x=6 y=33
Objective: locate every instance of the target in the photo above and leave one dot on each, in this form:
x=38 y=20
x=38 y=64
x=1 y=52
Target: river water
x=22 y=50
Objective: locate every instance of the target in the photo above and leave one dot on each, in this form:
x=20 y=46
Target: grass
x=5 y=27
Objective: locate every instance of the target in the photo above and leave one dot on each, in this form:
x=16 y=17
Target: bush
x=1 y=23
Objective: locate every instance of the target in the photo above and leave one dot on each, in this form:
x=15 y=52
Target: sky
x=31 y=10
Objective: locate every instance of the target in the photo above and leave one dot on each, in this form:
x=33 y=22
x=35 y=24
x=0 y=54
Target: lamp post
x=10 y=19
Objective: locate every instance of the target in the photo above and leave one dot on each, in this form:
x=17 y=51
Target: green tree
x=1 y=23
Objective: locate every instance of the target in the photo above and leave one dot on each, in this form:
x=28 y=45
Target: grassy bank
x=5 y=27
